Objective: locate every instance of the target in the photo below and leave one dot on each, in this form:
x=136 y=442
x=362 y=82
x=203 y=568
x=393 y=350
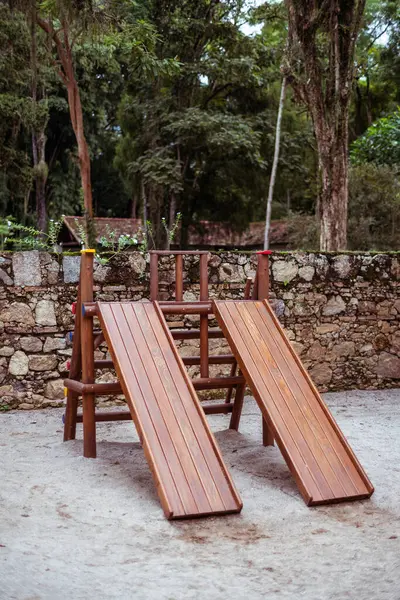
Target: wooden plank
x=124 y=415
x=141 y=415
x=194 y=334
x=178 y=401
x=281 y=408
x=215 y=479
x=221 y=475
x=135 y=351
x=169 y=402
x=291 y=405
x=216 y=359
x=331 y=448
x=190 y=476
x=307 y=427
x=186 y=308
x=278 y=426
x=216 y=383
x=332 y=429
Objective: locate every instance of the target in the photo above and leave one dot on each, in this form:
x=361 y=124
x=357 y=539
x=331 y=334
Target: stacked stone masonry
x=341 y=313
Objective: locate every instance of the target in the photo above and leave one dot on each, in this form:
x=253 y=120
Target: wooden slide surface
x=317 y=453
x=190 y=475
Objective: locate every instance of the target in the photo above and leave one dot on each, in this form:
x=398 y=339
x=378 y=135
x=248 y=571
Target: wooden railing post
x=179 y=278
x=204 y=368
x=263 y=275
x=262 y=293
x=153 y=276
x=87 y=353
x=75 y=371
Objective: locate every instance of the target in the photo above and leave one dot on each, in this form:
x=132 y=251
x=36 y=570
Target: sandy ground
x=93 y=529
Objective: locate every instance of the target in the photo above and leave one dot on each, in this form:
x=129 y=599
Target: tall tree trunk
x=75 y=108
x=333 y=192
x=133 y=205
x=323 y=82
x=67 y=74
x=274 y=165
x=38 y=134
x=41 y=178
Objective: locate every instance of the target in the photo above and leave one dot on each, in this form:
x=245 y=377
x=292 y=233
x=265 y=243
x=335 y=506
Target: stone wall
x=341 y=313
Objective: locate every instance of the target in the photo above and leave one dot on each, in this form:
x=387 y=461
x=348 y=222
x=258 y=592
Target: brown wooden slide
x=190 y=475
x=317 y=453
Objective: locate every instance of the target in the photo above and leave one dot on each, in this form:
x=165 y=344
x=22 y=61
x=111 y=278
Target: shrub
x=374 y=208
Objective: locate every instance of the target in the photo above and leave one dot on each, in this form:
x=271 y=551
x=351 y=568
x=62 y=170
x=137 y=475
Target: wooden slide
x=317 y=453
x=190 y=475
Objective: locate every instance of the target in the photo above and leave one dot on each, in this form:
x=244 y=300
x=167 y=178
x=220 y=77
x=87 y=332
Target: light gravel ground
x=92 y=529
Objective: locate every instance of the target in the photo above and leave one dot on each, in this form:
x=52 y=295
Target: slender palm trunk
x=274 y=164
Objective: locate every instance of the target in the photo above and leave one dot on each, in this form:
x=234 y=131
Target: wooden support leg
x=71 y=412
x=89 y=426
x=228 y=397
x=204 y=368
x=87 y=357
x=237 y=407
x=262 y=293
x=247 y=292
x=74 y=373
x=268 y=438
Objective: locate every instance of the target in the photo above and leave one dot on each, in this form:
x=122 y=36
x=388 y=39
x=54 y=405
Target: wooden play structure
x=189 y=472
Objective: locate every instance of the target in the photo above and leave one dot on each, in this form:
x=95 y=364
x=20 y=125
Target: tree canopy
x=179 y=102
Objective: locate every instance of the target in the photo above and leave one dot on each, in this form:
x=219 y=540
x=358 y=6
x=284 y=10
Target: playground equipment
x=187 y=466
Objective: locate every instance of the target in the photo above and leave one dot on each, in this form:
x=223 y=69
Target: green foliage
x=171 y=232
x=23 y=237
x=380 y=144
x=374 y=208
x=179 y=110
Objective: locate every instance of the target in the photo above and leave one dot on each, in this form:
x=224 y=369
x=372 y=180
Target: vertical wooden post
x=204 y=369
x=237 y=407
x=74 y=373
x=87 y=352
x=262 y=292
x=178 y=278
x=228 y=398
x=153 y=276
x=263 y=275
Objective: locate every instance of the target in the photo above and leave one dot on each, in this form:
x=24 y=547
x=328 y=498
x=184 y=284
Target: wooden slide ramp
x=190 y=475
x=317 y=453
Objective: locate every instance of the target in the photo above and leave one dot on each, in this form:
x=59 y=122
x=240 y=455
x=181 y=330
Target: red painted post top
x=265 y=252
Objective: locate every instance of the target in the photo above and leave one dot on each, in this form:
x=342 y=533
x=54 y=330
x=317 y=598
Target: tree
x=380 y=144
x=274 y=164
x=17 y=114
x=63 y=36
x=376 y=84
x=40 y=169
x=320 y=67
x=192 y=133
